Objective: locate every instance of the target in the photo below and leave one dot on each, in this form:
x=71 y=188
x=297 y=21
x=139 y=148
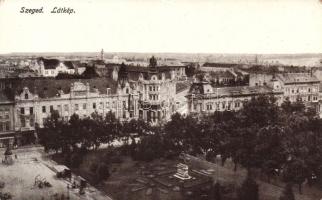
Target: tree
x=217 y=191
x=287 y=193
x=50 y=135
x=102 y=172
x=296 y=172
x=248 y=190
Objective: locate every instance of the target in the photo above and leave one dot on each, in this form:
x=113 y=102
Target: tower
x=153 y=62
x=102 y=54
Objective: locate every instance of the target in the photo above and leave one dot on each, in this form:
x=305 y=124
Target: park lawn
x=123 y=178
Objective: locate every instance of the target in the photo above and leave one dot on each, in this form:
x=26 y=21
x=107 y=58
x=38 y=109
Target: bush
x=112 y=155
x=248 y=190
x=93 y=167
x=76 y=159
x=287 y=193
x=102 y=172
x=149 y=148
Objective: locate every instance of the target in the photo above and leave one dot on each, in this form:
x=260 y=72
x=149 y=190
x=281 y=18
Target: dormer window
x=26 y=95
x=127 y=90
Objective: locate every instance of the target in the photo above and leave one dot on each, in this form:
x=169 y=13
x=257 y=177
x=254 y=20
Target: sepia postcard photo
x=160 y=100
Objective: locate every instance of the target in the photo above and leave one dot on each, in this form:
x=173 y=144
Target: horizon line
x=152 y=52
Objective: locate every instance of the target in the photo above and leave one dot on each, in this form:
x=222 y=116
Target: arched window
x=26 y=95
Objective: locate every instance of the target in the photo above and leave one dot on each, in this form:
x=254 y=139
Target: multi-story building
x=34 y=105
x=26 y=103
x=7 y=132
x=302 y=86
x=157 y=90
x=52 y=67
x=204 y=99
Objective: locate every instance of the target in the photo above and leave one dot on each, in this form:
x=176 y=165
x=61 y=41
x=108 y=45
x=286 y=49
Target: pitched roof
x=202 y=88
x=69 y=64
x=47 y=88
x=294 y=78
x=224 y=65
x=49 y=63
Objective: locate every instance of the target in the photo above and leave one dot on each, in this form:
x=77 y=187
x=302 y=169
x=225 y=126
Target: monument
x=182 y=172
x=8 y=157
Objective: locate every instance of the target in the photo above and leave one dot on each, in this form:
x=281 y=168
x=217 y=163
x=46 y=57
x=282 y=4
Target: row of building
x=148 y=93
x=203 y=97
x=151 y=93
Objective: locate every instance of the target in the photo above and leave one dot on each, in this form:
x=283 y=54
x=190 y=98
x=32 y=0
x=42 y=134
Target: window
x=309 y=89
x=84 y=106
x=22 y=111
x=31 y=110
x=107 y=104
x=32 y=122
x=237 y=104
x=94 y=105
x=101 y=105
x=7 y=126
x=66 y=108
x=209 y=106
x=51 y=108
x=76 y=107
x=26 y=95
x=309 y=98
x=127 y=90
x=43 y=109
x=23 y=122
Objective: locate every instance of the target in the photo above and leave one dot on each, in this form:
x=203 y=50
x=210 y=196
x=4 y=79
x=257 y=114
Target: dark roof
x=225 y=65
x=47 y=88
x=69 y=64
x=297 y=78
x=221 y=74
x=134 y=72
x=201 y=87
x=49 y=63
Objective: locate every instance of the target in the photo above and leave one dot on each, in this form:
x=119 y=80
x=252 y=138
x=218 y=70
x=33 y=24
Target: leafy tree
x=217 y=192
x=102 y=172
x=50 y=135
x=287 y=193
x=248 y=190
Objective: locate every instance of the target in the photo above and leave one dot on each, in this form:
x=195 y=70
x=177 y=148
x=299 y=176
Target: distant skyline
x=182 y=26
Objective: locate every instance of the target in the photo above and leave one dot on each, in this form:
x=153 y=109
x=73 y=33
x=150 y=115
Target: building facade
x=81 y=100
x=7 y=132
x=205 y=99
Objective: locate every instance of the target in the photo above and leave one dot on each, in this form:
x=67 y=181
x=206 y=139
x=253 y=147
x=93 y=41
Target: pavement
x=31 y=161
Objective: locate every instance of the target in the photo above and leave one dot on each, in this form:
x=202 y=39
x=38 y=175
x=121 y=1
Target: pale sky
x=187 y=26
